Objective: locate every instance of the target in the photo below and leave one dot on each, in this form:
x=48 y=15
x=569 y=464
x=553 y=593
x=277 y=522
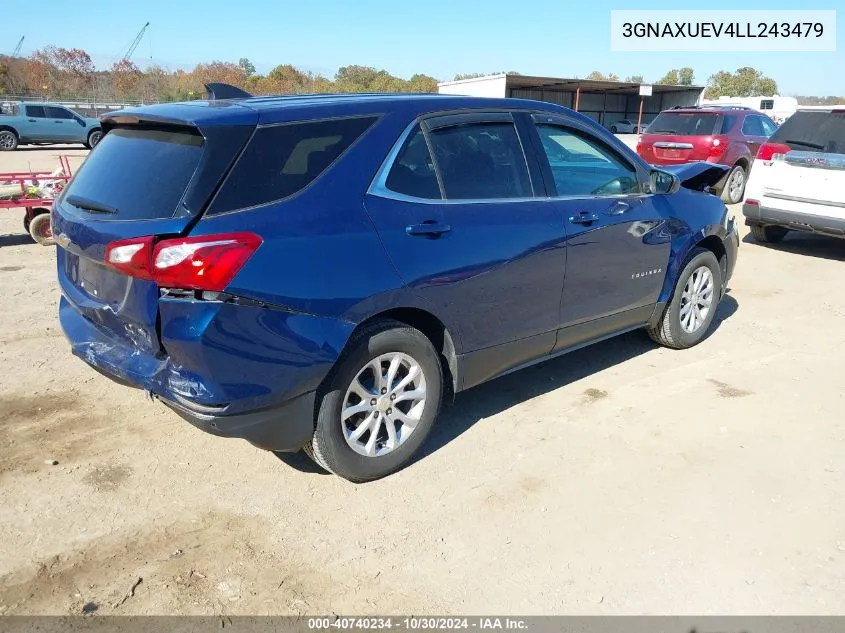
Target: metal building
x=604 y=101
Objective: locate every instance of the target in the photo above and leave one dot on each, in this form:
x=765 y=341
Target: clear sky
x=435 y=37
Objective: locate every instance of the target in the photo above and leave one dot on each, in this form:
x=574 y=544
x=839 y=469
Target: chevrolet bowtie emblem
x=63 y=239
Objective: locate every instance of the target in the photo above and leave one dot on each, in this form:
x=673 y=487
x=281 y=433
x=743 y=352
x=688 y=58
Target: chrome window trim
x=378 y=186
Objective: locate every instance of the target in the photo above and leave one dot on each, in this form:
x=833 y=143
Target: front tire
x=693 y=305
x=380 y=403
x=613 y=129
x=8 y=141
x=734 y=187
x=768 y=234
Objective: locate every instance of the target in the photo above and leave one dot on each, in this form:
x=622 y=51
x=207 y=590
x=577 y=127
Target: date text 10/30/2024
x=417 y=623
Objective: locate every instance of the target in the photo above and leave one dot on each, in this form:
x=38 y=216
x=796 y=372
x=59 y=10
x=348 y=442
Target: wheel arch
x=714 y=244
x=434 y=330
x=707 y=237
x=9 y=128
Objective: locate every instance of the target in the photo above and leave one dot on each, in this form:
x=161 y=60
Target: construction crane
x=136 y=42
x=18 y=47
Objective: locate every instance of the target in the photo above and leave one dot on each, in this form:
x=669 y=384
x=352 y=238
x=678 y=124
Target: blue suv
x=323 y=272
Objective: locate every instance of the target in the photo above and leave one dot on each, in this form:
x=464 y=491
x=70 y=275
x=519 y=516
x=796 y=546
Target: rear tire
x=613 y=129
x=344 y=443
x=94 y=138
x=734 y=187
x=768 y=234
x=8 y=141
x=699 y=283
x=40 y=229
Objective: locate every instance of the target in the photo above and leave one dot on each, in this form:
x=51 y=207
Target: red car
x=725 y=135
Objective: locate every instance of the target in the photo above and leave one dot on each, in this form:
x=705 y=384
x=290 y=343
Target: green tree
x=686 y=76
x=248 y=67
x=599 y=76
x=635 y=79
x=460 y=76
x=678 y=77
x=745 y=82
x=422 y=83
x=356 y=78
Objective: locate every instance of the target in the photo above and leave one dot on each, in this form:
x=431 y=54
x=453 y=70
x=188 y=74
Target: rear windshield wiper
x=90 y=205
x=663 y=132
x=805 y=144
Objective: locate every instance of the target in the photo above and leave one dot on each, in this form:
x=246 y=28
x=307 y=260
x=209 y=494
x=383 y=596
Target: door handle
x=618 y=208
x=584 y=218
x=429 y=228
x=33 y=120
x=58 y=121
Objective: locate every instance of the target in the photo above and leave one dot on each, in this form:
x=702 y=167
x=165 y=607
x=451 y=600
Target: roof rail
x=218 y=90
x=710 y=107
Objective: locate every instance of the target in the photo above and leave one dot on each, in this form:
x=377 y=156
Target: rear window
x=282 y=160
x=136 y=174
x=684 y=123
x=809 y=131
x=36 y=112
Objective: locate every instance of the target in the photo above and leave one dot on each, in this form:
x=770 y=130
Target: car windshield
x=813 y=131
x=684 y=123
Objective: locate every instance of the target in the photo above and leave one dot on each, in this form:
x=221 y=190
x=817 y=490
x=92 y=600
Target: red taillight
x=132 y=257
x=718 y=146
x=767 y=151
x=206 y=262
x=751 y=202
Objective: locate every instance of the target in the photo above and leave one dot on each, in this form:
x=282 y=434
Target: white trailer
x=777 y=107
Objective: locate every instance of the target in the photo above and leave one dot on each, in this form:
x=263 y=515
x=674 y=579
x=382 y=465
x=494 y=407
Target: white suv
x=798 y=179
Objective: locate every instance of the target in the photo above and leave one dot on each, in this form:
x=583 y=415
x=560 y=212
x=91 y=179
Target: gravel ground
x=619 y=479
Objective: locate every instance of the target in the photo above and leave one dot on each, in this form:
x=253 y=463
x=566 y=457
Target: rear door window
x=136 y=174
x=752 y=126
x=36 y=112
x=480 y=161
x=813 y=131
x=58 y=113
x=412 y=173
x=684 y=123
x=281 y=160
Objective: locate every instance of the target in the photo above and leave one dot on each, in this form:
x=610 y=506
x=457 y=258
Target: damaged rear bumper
x=242 y=372
x=285 y=428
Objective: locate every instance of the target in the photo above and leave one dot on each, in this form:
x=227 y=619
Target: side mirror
x=662 y=182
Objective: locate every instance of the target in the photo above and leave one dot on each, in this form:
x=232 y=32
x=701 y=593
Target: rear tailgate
x=679 y=137
x=810 y=177
x=145 y=178
x=807 y=182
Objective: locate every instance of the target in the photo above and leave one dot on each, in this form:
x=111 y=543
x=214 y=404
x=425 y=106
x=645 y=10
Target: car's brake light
x=206 y=262
x=132 y=257
x=718 y=146
x=768 y=151
x=752 y=202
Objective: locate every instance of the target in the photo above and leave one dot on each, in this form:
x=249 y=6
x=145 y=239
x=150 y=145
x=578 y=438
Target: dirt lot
x=623 y=478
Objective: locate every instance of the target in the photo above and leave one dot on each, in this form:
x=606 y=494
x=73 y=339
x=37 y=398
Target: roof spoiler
x=225 y=91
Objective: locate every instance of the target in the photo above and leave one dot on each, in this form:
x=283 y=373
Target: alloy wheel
x=7 y=140
x=383 y=404
x=697 y=299
x=737 y=184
